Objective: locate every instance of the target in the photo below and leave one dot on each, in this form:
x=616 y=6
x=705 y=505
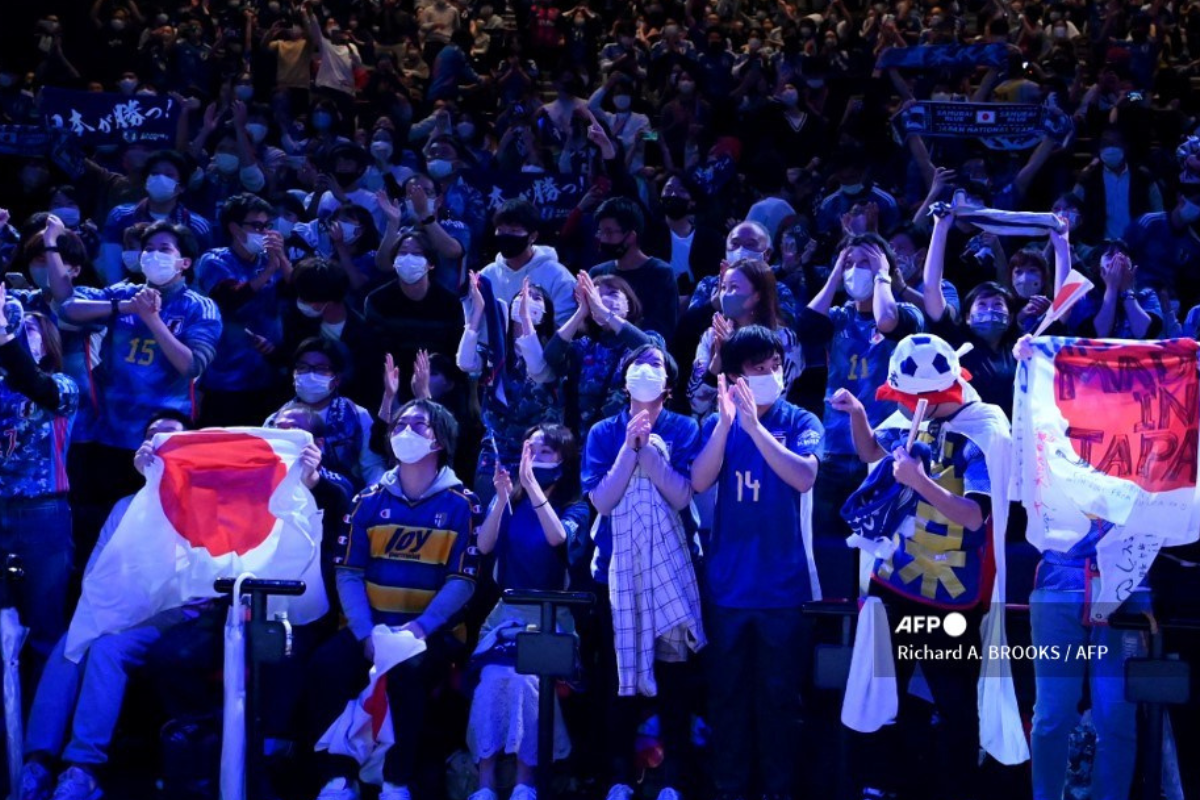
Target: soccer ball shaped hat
x=924 y=366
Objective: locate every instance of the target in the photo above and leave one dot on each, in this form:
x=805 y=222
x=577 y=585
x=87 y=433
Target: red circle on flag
x=216 y=489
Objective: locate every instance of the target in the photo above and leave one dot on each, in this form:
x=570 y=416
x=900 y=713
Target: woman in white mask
x=349 y=237
x=526 y=527
x=635 y=472
x=503 y=344
x=316 y=377
x=748 y=296
x=608 y=315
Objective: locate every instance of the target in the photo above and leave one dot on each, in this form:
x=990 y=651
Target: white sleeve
x=530 y=349
x=467 y=357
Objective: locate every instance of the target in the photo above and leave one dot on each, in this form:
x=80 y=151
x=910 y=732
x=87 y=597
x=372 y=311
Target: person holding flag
x=409 y=562
x=940 y=552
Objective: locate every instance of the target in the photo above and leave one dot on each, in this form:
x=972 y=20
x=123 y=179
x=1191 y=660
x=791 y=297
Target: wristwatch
x=881 y=278
x=1128 y=294
x=432 y=218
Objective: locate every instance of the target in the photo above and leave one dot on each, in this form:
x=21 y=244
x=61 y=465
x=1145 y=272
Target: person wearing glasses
x=245 y=281
x=408 y=560
x=317 y=373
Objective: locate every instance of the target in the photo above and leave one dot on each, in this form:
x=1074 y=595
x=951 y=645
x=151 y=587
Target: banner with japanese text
x=1105 y=435
x=106 y=117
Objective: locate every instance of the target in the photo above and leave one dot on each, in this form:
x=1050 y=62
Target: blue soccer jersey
x=237 y=364
x=858 y=361
x=136 y=379
x=943 y=564
x=409 y=548
x=33 y=441
x=755 y=557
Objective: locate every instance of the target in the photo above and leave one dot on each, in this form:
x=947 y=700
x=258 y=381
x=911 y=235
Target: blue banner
x=107 y=118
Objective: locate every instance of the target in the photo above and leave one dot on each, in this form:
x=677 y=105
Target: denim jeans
x=39 y=531
x=1057 y=617
x=755 y=662
x=88 y=695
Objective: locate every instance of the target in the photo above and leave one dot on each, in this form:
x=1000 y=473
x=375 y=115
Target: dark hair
x=868 y=240
x=762 y=279
x=315 y=419
x=441 y=421
x=985 y=290
x=185 y=240
x=622 y=286
x=368 y=237
x=624 y=212
x=632 y=356
x=1030 y=258
x=171 y=414
x=427 y=248
x=546 y=328
x=517 y=212
x=240 y=206
x=52 y=349
x=561 y=440
x=71 y=248
x=320 y=280
x=324 y=346
x=749 y=345
x=173 y=157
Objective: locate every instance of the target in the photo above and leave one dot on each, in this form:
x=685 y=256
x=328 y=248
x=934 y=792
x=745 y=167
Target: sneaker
x=393 y=792
x=667 y=793
x=339 y=789
x=77 y=784
x=620 y=791
x=36 y=782
x=523 y=792
x=484 y=794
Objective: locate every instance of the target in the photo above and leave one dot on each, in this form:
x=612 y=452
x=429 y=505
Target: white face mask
x=255 y=243
x=617 y=303
x=308 y=311
x=858 y=282
x=40 y=276
x=159 y=268
x=68 y=214
x=349 y=231
x=537 y=310
x=161 y=187
x=411 y=267
x=257 y=131
x=410 y=446
x=766 y=388
x=622 y=102
x=226 y=163
x=381 y=150
x=313 y=388
x=645 y=382
x=132 y=259
x=1189 y=212
x=1027 y=284
x=739 y=253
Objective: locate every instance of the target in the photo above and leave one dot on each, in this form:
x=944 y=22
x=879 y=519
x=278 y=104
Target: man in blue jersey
x=760 y=452
x=245 y=281
x=409 y=561
x=166 y=180
x=159 y=339
x=37 y=405
x=860 y=336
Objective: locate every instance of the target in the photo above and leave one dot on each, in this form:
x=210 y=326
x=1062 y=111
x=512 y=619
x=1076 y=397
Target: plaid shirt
x=651 y=586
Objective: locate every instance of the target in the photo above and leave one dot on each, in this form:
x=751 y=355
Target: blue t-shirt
x=524 y=559
x=408 y=549
x=136 y=379
x=858 y=361
x=755 y=556
x=604 y=441
x=942 y=564
x=33 y=441
x=238 y=365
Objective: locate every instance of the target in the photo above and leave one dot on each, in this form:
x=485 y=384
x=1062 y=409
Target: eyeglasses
x=257 y=227
x=319 y=369
x=417 y=426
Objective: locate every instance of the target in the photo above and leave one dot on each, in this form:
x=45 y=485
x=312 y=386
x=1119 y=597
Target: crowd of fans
x=529 y=270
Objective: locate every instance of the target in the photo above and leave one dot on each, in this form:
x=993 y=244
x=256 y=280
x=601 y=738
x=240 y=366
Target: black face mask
x=676 y=207
x=512 y=245
x=613 y=250
x=344 y=179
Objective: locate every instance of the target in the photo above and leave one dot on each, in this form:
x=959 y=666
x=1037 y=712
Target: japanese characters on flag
x=1106 y=431
x=217 y=503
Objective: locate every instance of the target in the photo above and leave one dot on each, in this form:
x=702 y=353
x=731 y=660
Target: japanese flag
x=985 y=117
x=217 y=503
x=1074 y=288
